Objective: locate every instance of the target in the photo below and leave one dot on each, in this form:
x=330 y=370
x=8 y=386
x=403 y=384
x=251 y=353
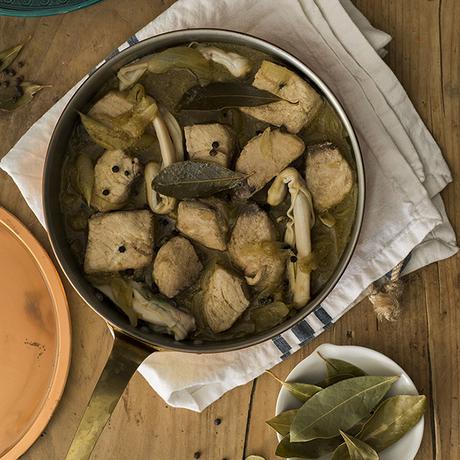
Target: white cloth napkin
x=405 y=171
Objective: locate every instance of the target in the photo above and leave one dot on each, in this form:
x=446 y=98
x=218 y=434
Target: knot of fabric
x=385 y=296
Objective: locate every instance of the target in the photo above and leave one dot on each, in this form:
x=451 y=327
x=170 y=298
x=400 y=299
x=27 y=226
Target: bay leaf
x=339 y=407
x=328 y=381
x=339 y=367
x=123 y=295
x=267 y=316
x=195 y=179
x=178 y=57
x=302 y=391
x=282 y=422
x=341 y=453
x=311 y=449
x=355 y=450
x=85 y=177
x=392 y=419
x=225 y=95
x=8 y=56
x=25 y=93
x=109 y=138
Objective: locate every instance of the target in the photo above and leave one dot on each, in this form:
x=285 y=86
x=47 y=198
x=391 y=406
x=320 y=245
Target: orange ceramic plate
x=34 y=338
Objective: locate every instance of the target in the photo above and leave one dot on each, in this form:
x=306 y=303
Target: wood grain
x=425 y=55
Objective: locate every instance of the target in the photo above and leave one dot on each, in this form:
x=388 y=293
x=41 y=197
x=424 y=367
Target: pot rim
x=148 y=46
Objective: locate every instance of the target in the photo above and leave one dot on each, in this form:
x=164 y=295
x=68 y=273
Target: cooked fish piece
x=176 y=266
x=280 y=113
x=114 y=173
x=288 y=86
x=112 y=104
x=253 y=248
x=211 y=142
x=224 y=298
x=300 y=101
x=118 y=241
x=204 y=221
x=264 y=156
x=328 y=175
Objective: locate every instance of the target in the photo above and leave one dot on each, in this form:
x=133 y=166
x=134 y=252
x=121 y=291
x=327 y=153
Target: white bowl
x=312 y=370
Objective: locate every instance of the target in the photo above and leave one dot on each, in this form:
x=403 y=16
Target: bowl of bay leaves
x=347 y=403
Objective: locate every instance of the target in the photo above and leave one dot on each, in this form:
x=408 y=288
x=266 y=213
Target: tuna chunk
x=212 y=142
x=113 y=175
x=300 y=101
x=176 y=266
x=280 y=113
x=328 y=175
x=204 y=221
x=254 y=250
x=224 y=299
x=112 y=104
x=264 y=156
x=118 y=241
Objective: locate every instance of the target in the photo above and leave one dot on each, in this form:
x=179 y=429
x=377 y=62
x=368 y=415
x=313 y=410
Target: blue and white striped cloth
x=405 y=172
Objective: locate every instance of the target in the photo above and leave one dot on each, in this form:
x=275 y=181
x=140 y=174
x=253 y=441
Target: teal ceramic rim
x=44 y=11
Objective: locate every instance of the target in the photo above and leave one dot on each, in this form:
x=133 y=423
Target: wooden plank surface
x=425 y=55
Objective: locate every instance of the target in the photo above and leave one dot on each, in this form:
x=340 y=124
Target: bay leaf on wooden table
x=12 y=98
x=354 y=449
x=392 y=419
x=225 y=95
x=311 y=449
x=282 y=422
x=85 y=177
x=339 y=407
x=195 y=179
x=302 y=391
x=8 y=56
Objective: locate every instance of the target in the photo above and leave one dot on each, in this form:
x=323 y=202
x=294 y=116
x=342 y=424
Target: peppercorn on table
x=424 y=341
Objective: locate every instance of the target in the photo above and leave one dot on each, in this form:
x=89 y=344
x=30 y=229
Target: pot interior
x=56 y=156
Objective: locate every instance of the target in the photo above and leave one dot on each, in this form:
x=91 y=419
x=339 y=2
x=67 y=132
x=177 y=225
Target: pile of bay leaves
x=346 y=415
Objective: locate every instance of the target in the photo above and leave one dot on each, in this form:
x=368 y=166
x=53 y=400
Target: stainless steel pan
x=132 y=345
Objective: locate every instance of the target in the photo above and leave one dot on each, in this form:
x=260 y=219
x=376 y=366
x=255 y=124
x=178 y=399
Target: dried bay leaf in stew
x=311 y=449
x=195 y=179
x=339 y=407
x=109 y=138
x=282 y=422
x=354 y=449
x=85 y=177
x=225 y=95
x=392 y=420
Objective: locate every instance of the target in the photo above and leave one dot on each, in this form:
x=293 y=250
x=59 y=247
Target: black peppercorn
x=122 y=249
x=213 y=152
x=105 y=192
x=215 y=145
x=127 y=173
x=115 y=169
x=21 y=64
x=10 y=72
x=197 y=454
x=217 y=421
x=293 y=259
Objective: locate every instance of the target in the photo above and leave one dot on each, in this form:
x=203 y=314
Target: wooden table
x=425 y=55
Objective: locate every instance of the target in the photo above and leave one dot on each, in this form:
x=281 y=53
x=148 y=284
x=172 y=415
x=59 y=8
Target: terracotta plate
x=34 y=338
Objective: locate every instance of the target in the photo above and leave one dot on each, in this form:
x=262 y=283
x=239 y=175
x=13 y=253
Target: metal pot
x=132 y=345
